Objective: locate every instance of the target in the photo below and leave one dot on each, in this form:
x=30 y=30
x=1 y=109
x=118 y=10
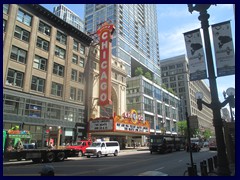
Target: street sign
x=193 y=122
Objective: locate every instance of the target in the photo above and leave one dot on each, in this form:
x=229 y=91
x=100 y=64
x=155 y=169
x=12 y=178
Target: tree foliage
x=182 y=127
x=207 y=133
x=138 y=71
x=148 y=75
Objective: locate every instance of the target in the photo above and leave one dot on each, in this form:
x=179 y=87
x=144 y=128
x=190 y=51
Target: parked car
x=205 y=144
x=195 y=145
x=212 y=143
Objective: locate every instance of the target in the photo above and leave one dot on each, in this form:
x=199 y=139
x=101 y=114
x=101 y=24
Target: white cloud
x=172 y=43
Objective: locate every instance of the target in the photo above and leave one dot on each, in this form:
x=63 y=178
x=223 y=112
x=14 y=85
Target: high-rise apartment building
x=135 y=39
x=175 y=75
x=69 y=16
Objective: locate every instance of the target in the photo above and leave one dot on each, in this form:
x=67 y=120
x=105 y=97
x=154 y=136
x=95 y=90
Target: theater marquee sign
x=105 y=37
x=129 y=122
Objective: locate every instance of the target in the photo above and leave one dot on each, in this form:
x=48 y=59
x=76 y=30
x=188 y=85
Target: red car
x=79 y=148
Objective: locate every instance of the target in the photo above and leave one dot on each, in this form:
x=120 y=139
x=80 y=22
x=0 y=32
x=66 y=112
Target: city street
x=128 y=163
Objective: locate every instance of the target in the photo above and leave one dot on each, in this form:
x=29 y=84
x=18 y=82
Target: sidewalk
x=232 y=169
x=135 y=149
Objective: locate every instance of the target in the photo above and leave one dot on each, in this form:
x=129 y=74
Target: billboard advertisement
x=223 y=48
x=195 y=54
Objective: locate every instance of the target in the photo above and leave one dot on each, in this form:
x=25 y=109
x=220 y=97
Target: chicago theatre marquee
x=106 y=97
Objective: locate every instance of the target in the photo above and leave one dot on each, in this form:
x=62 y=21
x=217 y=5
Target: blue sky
x=173 y=21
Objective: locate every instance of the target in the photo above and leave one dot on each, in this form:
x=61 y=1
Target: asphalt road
x=128 y=163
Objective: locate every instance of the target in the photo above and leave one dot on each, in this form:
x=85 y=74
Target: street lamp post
x=223 y=166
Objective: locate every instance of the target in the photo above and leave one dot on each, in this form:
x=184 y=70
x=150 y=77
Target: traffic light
x=199 y=104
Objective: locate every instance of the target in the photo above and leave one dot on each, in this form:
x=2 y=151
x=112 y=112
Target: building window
x=21 y=34
x=37 y=84
x=80 y=95
x=74 y=75
x=75 y=59
x=54 y=111
x=40 y=63
x=34 y=109
x=18 y=54
x=171 y=67
x=81 y=78
x=172 y=78
x=148 y=105
x=62 y=38
x=148 y=89
x=70 y=114
x=94 y=65
x=179 y=65
x=58 y=69
x=43 y=44
x=75 y=45
x=44 y=28
x=24 y=18
x=60 y=52
x=73 y=93
x=82 y=49
x=14 y=78
x=4 y=25
x=5 y=8
x=81 y=62
x=11 y=104
x=57 y=89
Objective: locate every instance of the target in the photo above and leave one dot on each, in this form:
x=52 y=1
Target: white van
x=103 y=148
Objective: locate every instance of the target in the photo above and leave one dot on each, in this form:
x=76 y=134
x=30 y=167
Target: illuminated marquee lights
x=105 y=34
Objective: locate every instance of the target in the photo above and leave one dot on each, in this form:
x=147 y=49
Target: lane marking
x=158 y=168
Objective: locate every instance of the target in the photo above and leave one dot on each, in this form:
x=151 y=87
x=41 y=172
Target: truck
x=16 y=145
x=79 y=148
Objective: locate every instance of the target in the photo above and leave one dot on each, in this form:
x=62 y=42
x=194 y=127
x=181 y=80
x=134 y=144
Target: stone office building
x=43 y=73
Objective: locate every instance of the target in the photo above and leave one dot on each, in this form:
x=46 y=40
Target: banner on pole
x=195 y=54
x=223 y=48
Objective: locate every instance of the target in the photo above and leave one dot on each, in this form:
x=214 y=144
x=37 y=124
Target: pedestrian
x=47 y=170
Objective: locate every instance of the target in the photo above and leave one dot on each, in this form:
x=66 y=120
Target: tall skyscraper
x=69 y=16
x=135 y=39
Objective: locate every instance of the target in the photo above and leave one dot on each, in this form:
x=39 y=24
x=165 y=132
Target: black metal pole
x=189 y=140
x=223 y=165
x=231 y=113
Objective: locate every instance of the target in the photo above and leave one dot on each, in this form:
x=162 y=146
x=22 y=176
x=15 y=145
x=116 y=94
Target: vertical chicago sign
x=105 y=35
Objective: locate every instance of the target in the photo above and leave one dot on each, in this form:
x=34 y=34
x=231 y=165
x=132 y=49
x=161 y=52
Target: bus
x=166 y=143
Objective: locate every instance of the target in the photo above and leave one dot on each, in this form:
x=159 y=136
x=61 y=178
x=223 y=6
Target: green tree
x=164 y=86
x=207 y=133
x=138 y=71
x=171 y=91
x=148 y=75
x=182 y=127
